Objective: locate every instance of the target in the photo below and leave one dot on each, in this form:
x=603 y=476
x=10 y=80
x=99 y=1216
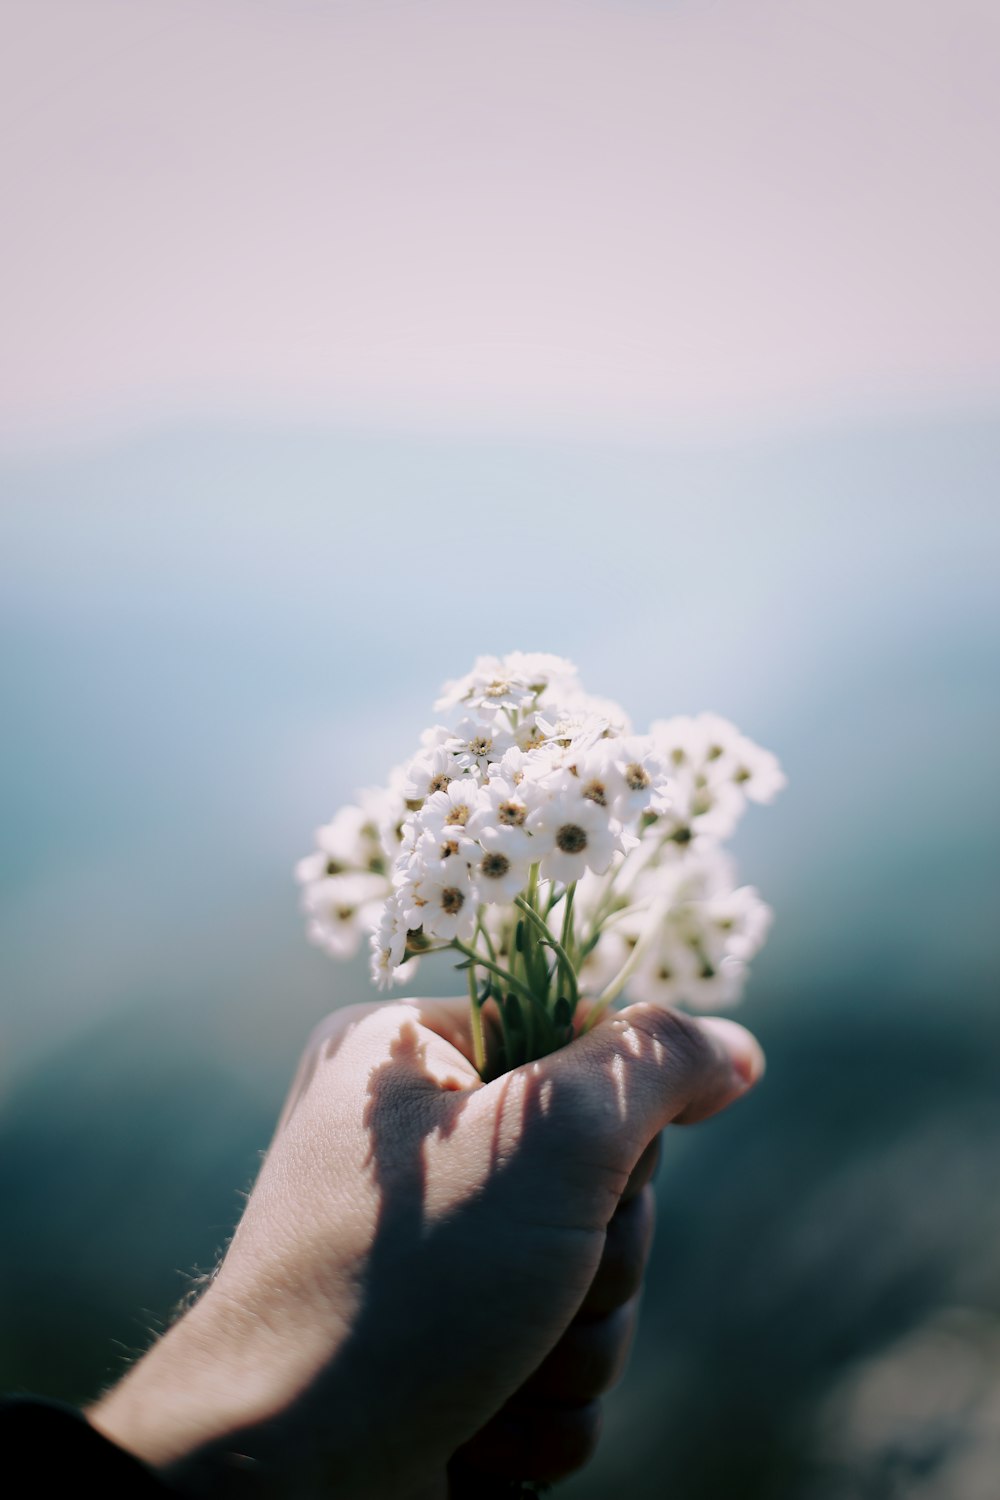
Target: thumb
x=645 y=1067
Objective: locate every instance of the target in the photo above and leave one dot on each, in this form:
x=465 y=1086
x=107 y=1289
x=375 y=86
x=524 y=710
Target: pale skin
x=435 y=1279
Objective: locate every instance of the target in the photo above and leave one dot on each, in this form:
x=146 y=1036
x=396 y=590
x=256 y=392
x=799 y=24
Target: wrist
x=191 y=1407
x=225 y=1408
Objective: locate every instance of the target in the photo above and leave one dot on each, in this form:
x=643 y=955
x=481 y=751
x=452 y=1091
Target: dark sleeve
x=51 y=1449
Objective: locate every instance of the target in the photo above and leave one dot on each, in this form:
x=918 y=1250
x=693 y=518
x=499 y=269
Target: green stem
x=481 y=930
x=487 y=963
x=554 y=944
x=510 y=1060
x=478 y=1040
x=567 y=927
x=538 y=966
x=536 y=977
x=528 y=1025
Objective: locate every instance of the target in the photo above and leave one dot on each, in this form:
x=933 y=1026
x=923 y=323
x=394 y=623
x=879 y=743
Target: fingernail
x=744 y=1049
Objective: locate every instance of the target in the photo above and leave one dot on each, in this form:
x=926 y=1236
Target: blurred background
x=343 y=342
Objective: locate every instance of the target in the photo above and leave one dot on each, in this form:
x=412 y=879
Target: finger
x=424 y=1042
x=748 y=1062
x=450 y=1017
x=427 y=1041
x=645 y=1169
x=587 y=1361
x=643 y=1067
x=534 y=1441
x=623 y=1264
x=324 y=1038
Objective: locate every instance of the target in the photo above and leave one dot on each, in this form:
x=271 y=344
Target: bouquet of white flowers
x=562 y=857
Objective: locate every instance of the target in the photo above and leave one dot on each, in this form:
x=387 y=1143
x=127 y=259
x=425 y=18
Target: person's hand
x=430 y=1271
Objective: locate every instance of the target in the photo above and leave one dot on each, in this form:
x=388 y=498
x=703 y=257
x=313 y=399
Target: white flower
x=434 y=737
x=643 y=775
x=624 y=774
x=432 y=879
x=694 y=742
x=702 y=801
x=528 y=733
x=756 y=771
x=574 y=730
x=476 y=742
x=351 y=841
x=677 y=977
x=441 y=901
x=606 y=709
x=501 y=870
x=386 y=809
x=500 y=805
x=697 y=955
x=430 y=772
x=490 y=684
x=510 y=682
x=711 y=761
x=736 y=924
x=543 y=673
x=340 y=909
x=388 y=945
x=311 y=867
x=703 y=806
x=572 y=834
x=438 y=846
x=453 y=807
x=511 y=766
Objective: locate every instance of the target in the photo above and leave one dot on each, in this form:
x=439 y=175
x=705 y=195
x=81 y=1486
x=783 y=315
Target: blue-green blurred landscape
x=213 y=635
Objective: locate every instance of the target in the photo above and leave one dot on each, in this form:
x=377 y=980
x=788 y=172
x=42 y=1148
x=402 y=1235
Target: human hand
x=430 y=1271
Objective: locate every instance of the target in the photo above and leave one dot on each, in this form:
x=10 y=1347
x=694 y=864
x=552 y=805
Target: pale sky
x=583 y=216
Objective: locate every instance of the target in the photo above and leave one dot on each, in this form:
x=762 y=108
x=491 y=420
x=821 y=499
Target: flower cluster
x=560 y=854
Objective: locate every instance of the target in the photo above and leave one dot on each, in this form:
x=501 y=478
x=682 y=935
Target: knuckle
x=623 y=1265
x=687 y=1048
x=644 y=1170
